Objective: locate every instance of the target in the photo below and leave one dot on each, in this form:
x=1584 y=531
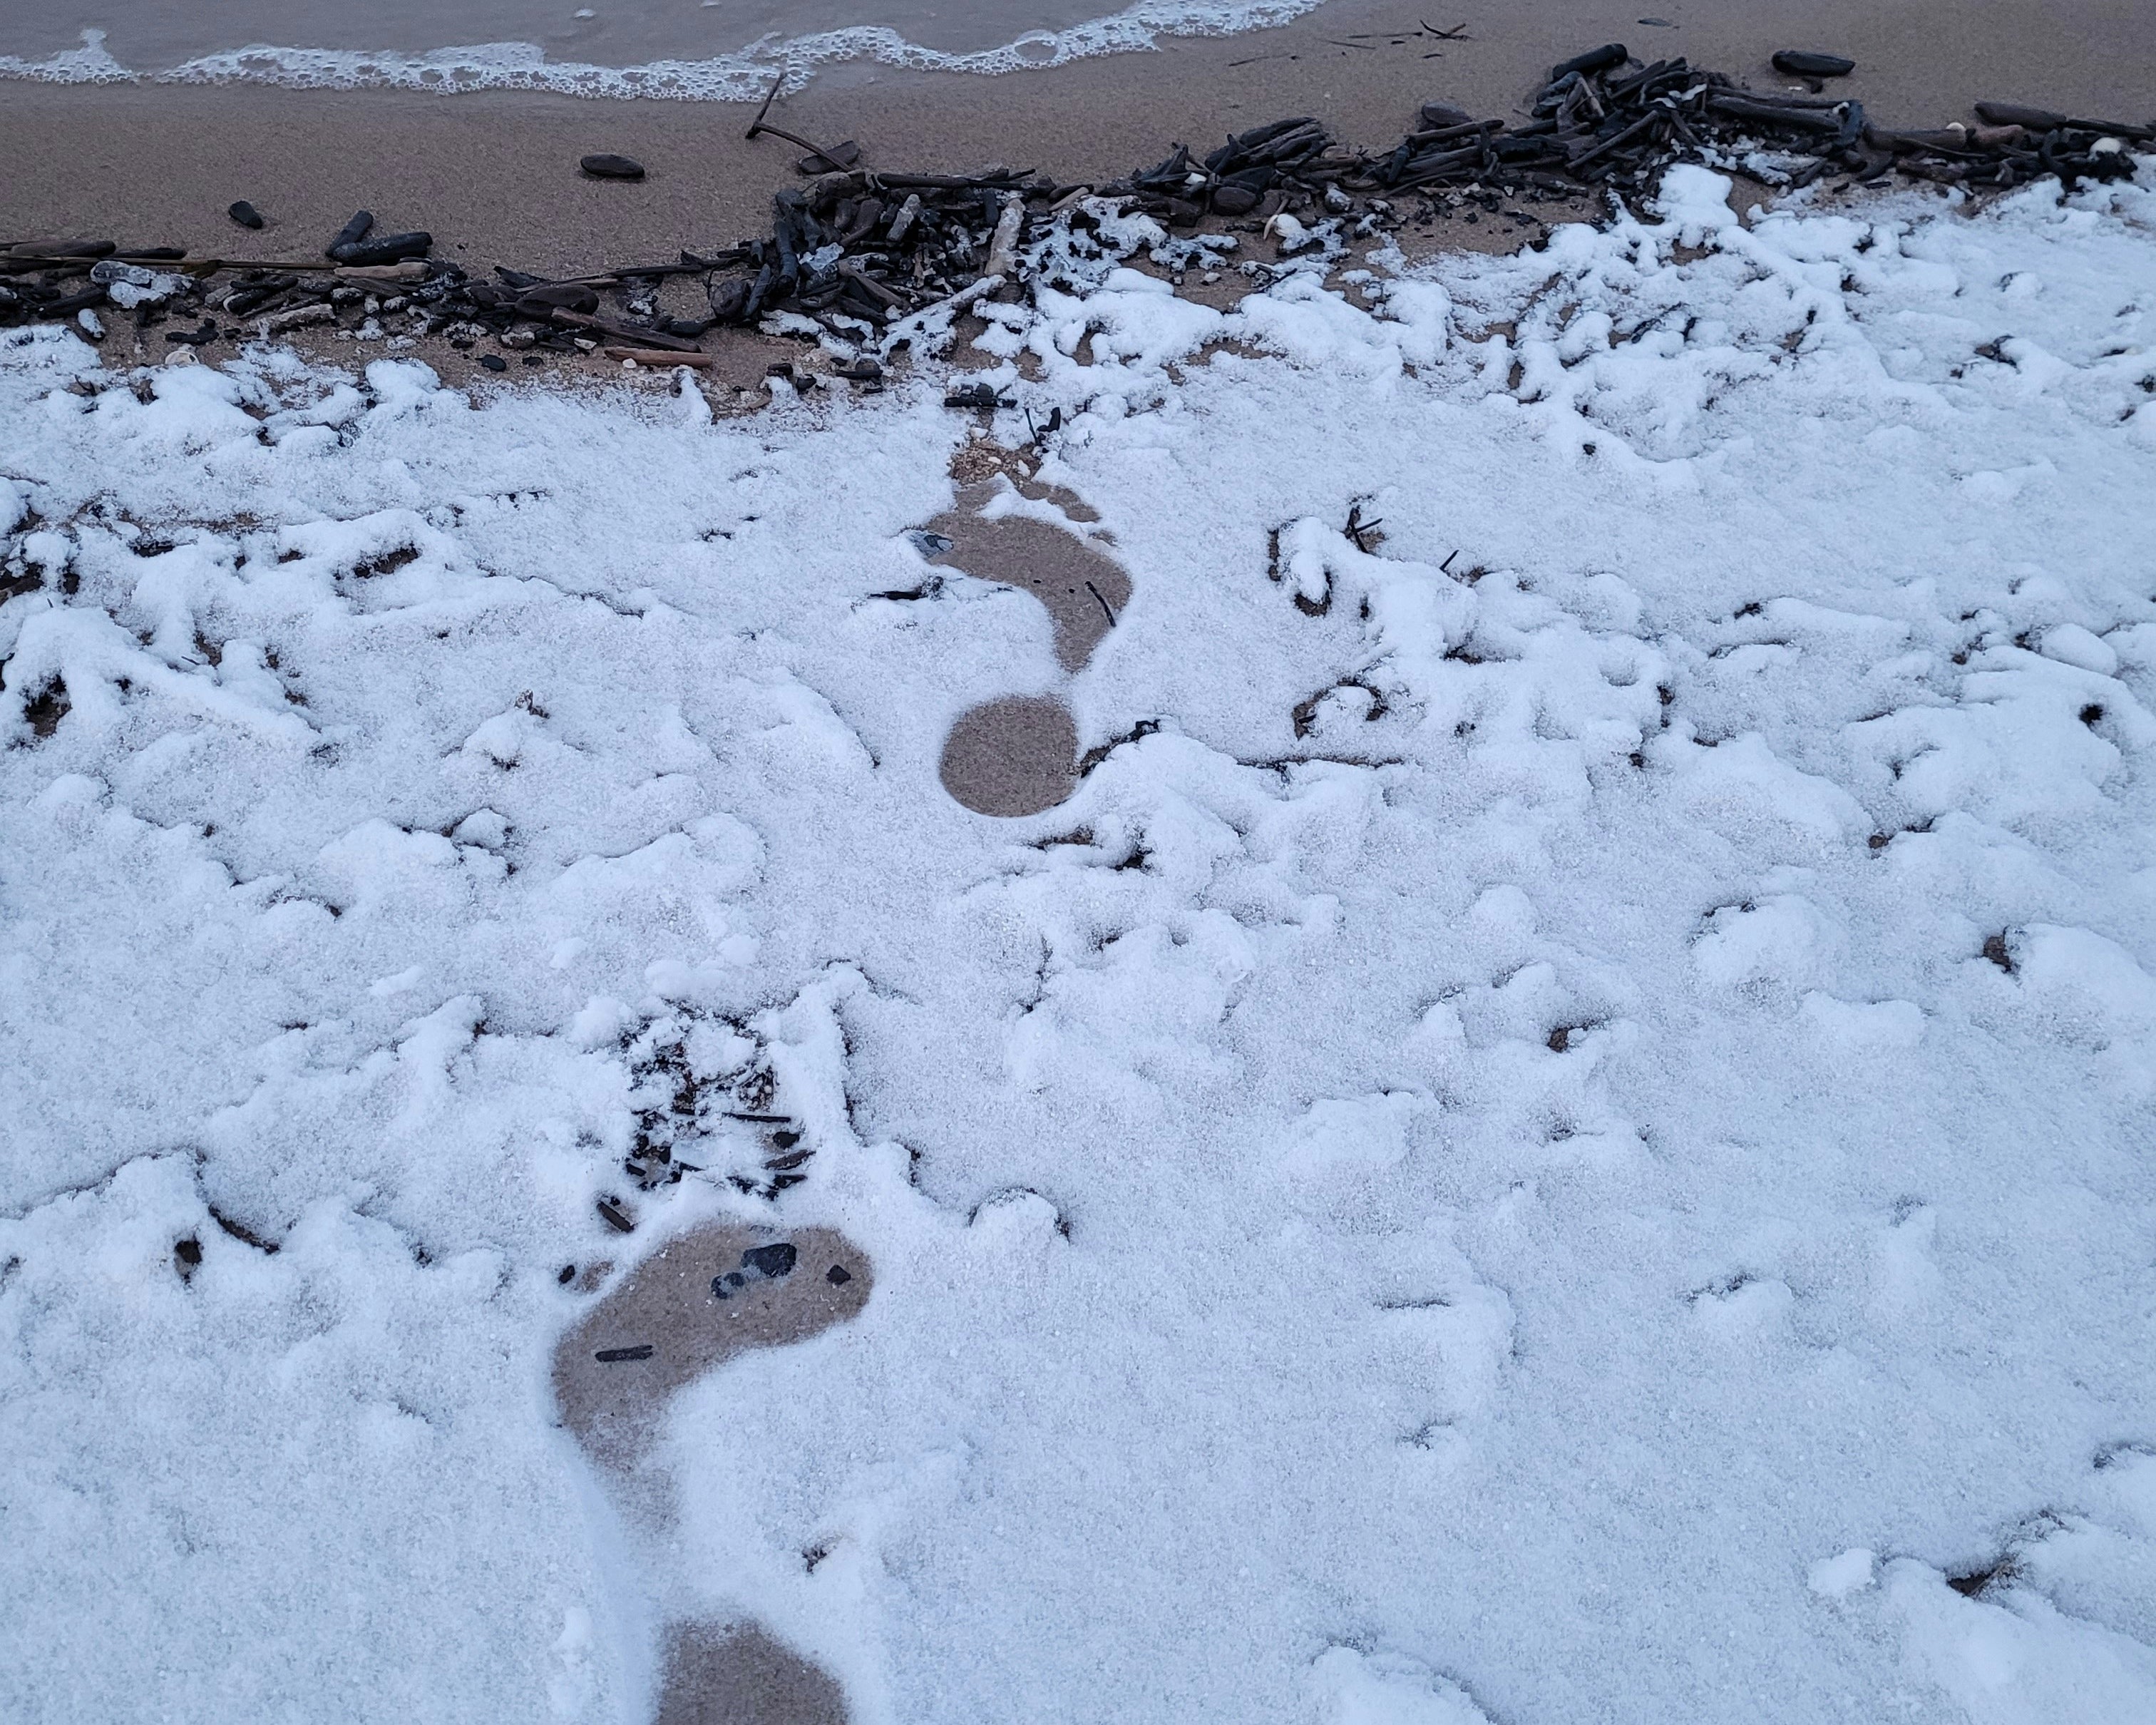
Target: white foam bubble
x=742 y=75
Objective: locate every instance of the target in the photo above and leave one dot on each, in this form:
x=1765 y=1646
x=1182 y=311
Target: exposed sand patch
x=1013 y=755
x=613 y=1393
x=1084 y=592
x=739 y=1675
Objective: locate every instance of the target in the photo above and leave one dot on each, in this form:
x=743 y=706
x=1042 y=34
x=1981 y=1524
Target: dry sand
x=494 y=176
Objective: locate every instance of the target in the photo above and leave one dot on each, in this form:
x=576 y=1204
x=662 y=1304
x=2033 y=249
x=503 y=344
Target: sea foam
x=743 y=74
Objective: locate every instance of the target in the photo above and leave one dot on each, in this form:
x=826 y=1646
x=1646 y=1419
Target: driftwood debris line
x=1603 y=120
x=879 y=257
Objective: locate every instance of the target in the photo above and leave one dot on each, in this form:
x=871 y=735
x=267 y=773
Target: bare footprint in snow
x=719 y=1677
x=1018 y=754
x=696 y=1303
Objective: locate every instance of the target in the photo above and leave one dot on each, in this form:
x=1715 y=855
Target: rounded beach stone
x=613 y=167
x=1803 y=63
x=1012 y=756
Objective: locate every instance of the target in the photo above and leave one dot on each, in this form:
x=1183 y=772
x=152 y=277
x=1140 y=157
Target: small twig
x=1096 y=592
x=757 y=125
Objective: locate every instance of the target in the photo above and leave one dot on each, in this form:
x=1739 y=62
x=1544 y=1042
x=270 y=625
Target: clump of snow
x=1571 y=1088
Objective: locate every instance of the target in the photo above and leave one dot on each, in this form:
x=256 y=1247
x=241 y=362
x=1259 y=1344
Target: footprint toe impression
x=1018 y=755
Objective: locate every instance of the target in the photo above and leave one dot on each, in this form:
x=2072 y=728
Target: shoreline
x=494 y=176
x=493 y=173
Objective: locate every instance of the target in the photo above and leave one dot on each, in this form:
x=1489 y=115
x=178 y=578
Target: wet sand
x=494 y=175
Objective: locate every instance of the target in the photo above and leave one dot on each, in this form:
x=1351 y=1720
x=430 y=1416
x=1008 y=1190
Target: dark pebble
x=569 y=1274
x=533 y=359
x=608 y=1355
x=612 y=167
x=1437 y=115
x=971 y=395
x=614 y=1217
x=493 y=362
x=735 y=1279
x=838 y=1275
x=1235 y=200
x=773 y=1261
x=1800 y=62
x=188 y=1251
x=245 y=214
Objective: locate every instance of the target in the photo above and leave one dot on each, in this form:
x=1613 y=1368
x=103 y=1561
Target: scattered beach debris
x=865 y=260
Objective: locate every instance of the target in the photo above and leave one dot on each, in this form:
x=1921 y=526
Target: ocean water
x=685 y=49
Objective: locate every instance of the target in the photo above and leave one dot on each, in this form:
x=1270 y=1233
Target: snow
x=1560 y=1131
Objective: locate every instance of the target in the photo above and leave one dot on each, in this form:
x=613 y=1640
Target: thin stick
x=757 y=124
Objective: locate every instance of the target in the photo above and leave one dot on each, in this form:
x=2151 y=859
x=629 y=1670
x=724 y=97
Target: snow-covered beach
x=1558 y=1129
